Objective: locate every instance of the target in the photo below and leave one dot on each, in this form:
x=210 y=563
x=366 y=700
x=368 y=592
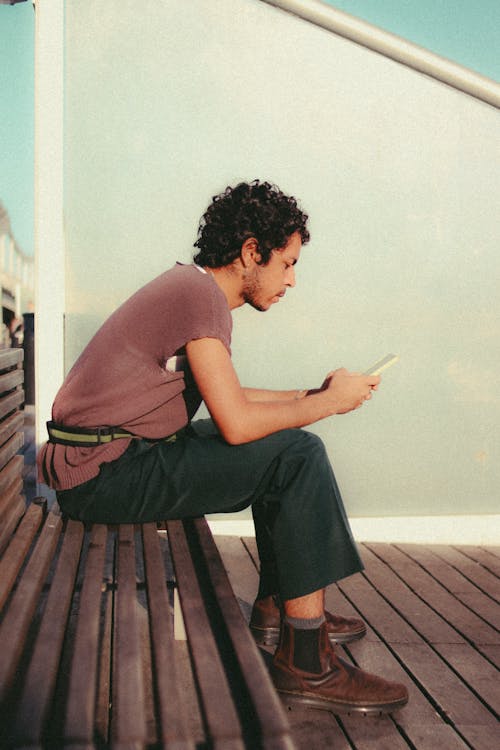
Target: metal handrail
x=394 y=47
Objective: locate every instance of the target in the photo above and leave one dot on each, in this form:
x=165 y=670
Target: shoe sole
x=271 y=636
x=301 y=700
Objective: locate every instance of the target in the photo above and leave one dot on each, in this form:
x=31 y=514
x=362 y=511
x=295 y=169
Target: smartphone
x=382 y=365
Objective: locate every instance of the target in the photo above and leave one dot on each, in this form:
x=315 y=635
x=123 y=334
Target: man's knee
x=303 y=461
x=312 y=446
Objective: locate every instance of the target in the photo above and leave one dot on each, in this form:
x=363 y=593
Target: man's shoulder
x=186 y=288
x=183 y=275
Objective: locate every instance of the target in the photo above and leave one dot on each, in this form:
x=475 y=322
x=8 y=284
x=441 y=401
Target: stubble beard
x=251 y=291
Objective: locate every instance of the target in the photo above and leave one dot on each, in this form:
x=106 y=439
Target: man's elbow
x=235 y=425
x=235 y=434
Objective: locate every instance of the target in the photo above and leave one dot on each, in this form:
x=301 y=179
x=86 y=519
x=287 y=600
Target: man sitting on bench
x=122 y=447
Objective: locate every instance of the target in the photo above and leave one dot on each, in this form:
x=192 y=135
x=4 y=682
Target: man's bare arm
x=259 y=394
x=263 y=394
x=241 y=419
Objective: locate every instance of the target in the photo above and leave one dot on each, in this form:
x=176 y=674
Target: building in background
x=17 y=284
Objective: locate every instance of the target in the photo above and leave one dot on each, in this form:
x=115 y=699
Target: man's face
x=266 y=284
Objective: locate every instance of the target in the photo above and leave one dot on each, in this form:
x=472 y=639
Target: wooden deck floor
x=433 y=616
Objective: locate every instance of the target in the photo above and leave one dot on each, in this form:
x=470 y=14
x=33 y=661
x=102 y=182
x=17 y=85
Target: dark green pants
x=302 y=532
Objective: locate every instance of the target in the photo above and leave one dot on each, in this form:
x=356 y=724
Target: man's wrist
x=300 y=394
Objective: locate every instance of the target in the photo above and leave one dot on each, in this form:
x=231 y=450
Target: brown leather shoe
x=339 y=688
x=266 y=619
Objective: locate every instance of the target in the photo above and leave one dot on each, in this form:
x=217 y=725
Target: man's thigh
x=199 y=473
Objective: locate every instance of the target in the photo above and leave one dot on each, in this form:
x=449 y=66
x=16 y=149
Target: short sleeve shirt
x=134 y=373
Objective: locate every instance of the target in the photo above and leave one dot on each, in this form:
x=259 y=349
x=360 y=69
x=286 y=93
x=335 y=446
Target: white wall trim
x=394 y=47
x=457 y=530
x=49 y=232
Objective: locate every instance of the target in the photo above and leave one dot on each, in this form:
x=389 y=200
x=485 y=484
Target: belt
x=84 y=437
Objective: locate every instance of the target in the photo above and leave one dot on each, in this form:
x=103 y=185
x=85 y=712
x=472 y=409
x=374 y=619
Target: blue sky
x=17 y=26
x=467 y=31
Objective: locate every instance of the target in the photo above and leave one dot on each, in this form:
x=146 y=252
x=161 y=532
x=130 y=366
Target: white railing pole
x=49 y=236
x=393 y=46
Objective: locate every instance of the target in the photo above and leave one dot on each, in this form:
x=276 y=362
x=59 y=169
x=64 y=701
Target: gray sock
x=298 y=623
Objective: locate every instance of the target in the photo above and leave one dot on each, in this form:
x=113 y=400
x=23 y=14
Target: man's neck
x=229 y=281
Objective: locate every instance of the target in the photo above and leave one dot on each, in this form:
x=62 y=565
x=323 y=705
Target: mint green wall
x=168 y=103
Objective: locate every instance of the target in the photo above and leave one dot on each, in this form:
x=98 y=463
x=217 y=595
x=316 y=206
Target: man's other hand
x=349 y=390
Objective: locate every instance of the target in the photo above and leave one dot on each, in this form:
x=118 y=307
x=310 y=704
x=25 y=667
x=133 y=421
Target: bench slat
x=11 y=447
x=80 y=707
x=236 y=698
x=129 y=724
x=41 y=675
x=11 y=470
x=102 y=720
x=11 y=425
x=14 y=515
x=13 y=508
x=7 y=498
x=11 y=358
x=14 y=555
x=10 y=380
x=15 y=626
x=219 y=712
x=11 y=402
x=269 y=713
x=170 y=704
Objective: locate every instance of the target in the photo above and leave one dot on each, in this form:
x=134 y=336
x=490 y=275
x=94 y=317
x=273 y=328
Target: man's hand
x=349 y=391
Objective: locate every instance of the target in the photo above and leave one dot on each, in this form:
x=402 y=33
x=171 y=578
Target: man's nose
x=290 y=276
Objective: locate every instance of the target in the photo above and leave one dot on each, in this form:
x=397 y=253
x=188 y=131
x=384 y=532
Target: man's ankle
x=301 y=623
x=306 y=643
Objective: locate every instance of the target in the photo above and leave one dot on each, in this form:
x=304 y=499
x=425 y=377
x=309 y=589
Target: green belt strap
x=83 y=437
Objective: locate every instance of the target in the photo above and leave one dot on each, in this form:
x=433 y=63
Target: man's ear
x=250 y=252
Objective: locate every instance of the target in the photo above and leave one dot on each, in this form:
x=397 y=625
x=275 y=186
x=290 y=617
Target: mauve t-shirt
x=134 y=373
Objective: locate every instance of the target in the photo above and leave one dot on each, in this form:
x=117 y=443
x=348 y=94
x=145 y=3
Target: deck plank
x=433 y=597
x=373 y=733
x=473 y=571
x=455 y=583
x=479 y=673
x=446 y=688
x=492 y=549
x=453 y=687
x=488 y=557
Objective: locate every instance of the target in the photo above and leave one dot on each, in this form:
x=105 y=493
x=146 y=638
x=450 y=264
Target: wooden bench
x=88 y=655
x=12 y=502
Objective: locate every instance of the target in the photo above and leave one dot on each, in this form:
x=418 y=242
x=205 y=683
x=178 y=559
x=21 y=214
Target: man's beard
x=251 y=291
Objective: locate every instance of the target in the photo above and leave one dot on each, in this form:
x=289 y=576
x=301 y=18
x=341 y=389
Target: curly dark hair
x=256 y=209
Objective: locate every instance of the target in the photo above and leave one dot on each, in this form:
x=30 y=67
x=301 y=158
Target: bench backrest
x=12 y=501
